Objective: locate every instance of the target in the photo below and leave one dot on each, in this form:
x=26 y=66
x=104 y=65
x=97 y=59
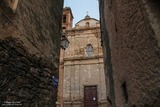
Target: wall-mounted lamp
x=64 y=41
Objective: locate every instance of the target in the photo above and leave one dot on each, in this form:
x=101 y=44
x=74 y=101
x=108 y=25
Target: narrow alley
x=53 y=54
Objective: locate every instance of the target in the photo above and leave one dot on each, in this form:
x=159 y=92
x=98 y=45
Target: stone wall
x=80 y=73
x=80 y=69
x=29 y=52
x=79 y=39
x=131 y=52
x=37 y=24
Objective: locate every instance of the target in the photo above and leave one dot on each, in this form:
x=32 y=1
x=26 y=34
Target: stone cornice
x=81 y=29
x=82 y=58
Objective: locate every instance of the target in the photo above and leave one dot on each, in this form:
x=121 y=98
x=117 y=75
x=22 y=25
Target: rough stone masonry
x=29 y=52
x=131 y=32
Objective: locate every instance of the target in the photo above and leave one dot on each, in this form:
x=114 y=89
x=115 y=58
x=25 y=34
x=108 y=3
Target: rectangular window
x=125 y=94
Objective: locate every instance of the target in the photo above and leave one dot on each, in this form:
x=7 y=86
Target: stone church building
x=81 y=73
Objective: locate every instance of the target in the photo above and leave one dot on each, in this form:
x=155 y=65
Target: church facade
x=81 y=74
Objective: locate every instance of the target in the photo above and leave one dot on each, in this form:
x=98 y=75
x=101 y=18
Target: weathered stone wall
x=24 y=77
x=29 y=52
x=152 y=8
x=80 y=73
x=131 y=52
x=36 y=23
x=78 y=42
x=80 y=69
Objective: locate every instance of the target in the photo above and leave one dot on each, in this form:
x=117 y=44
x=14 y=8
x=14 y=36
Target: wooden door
x=90 y=96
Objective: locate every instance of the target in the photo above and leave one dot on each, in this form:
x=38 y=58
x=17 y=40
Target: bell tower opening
x=67 y=18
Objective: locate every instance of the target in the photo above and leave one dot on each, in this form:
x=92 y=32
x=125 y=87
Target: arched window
x=87 y=24
x=89 y=50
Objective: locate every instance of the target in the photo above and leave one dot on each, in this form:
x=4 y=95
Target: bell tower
x=67 y=18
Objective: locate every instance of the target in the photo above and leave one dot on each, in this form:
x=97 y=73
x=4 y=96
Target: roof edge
x=87 y=19
x=68 y=8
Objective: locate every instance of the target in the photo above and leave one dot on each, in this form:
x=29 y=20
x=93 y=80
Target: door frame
x=96 y=93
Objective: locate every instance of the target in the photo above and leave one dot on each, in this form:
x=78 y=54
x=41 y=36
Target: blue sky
x=80 y=8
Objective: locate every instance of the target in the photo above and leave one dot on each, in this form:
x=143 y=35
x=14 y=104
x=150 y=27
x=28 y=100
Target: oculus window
x=89 y=50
